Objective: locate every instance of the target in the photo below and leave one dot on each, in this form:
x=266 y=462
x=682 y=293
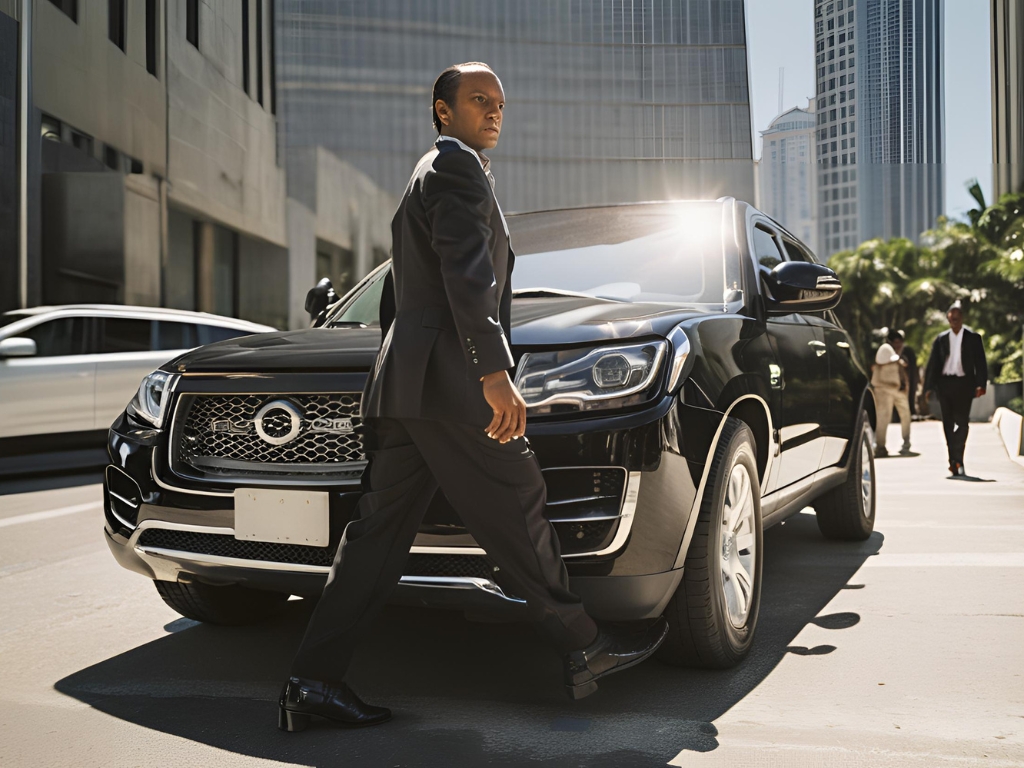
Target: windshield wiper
x=347 y=324
x=535 y=293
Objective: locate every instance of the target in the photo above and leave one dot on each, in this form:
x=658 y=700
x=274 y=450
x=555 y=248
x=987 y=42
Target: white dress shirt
x=954 y=363
x=485 y=163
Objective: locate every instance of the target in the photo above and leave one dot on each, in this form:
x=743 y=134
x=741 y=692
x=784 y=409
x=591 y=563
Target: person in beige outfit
x=890 y=381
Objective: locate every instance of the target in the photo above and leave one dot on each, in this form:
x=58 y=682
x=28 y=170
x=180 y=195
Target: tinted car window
x=125 y=334
x=364 y=307
x=63 y=336
x=766 y=249
x=211 y=333
x=171 y=335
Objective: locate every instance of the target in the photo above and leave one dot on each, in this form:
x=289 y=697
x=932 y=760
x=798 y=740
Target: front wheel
x=847 y=513
x=713 y=613
x=229 y=604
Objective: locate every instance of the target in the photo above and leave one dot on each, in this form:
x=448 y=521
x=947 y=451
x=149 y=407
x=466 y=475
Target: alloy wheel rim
x=866 y=489
x=738 y=546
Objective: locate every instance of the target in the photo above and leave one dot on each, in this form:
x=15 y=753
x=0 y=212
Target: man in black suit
x=958 y=373
x=441 y=411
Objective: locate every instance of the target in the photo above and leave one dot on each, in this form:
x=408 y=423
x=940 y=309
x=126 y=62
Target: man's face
x=956 y=320
x=475 y=117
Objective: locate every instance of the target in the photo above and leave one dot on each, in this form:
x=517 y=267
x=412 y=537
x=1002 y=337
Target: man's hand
x=979 y=392
x=928 y=396
x=509 y=422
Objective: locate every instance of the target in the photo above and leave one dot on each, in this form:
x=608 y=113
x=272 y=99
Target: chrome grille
x=235 y=447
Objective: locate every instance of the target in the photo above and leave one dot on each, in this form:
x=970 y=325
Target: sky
x=781 y=34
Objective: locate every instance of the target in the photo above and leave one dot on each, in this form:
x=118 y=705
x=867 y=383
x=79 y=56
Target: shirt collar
x=485 y=162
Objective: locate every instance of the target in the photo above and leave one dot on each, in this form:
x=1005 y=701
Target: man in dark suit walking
x=441 y=411
x=958 y=373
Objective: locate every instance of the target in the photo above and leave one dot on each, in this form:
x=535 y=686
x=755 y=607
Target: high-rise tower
x=880 y=119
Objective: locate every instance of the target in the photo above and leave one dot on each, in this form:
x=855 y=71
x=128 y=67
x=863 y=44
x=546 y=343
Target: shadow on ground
x=468 y=694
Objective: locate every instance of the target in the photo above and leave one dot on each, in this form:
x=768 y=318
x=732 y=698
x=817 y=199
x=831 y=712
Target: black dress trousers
x=499 y=494
x=956 y=394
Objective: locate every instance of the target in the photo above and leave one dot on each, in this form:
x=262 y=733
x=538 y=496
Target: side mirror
x=17 y=346
x=320 y=297
x=800 y=286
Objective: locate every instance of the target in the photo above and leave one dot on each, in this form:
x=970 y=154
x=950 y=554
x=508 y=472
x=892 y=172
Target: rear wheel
x=847 y=513
x=713 y=613
x=228 y=604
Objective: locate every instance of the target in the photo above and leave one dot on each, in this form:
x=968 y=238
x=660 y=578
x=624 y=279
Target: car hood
x=535 y=322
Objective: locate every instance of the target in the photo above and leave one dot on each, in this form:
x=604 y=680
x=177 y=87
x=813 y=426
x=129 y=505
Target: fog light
x=124 y=497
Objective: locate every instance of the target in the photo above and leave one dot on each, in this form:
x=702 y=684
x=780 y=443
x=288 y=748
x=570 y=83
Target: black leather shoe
x=302 y=700
x=612 y=651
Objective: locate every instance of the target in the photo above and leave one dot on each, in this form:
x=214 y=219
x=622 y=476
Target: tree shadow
x=467 y=693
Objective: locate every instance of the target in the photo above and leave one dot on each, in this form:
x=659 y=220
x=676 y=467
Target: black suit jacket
x=972 y=357
x=443 y=321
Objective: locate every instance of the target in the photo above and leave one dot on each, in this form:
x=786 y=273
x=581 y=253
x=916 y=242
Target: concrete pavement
x=905 y=650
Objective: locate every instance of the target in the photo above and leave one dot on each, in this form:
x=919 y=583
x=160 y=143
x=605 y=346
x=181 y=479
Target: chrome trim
x=459 y=582
x=580 y=499
x=123 y=500
x=443 y=582
x=167 y=487
x=307 y=468
x=584 y=519
x=680 y=352
x=630 y=493
x=419 y=550
x=695 y=507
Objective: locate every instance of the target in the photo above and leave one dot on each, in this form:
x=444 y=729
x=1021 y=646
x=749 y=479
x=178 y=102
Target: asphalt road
x=905 y=650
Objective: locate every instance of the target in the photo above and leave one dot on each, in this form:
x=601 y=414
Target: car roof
x=183 y=315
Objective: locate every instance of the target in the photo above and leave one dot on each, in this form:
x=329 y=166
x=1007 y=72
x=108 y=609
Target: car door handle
x=819 y=347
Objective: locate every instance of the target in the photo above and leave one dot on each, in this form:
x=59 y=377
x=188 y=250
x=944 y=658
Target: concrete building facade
x=1007 y=96
x=787 y=173
x=892 y=184
x=151 y=169
x=606 y=102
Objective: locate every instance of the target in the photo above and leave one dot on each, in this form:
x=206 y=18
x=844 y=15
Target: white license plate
x=287 y=517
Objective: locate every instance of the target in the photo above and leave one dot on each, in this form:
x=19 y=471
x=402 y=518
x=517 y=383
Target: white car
x=67 y=371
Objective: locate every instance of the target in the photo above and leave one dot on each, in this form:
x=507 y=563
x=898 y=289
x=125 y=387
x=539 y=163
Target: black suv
x=687 y=384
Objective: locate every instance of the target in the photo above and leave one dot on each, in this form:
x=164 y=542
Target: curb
x=1010 y=426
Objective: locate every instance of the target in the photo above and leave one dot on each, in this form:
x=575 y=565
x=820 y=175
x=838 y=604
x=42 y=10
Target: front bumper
x=630 y=578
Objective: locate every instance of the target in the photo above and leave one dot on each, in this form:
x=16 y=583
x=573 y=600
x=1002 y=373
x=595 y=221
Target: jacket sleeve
x=458 y=204
x=981 y=364
x=934 y=367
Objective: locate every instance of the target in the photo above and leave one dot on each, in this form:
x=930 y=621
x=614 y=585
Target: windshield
x=655 y=252
x=658 y=252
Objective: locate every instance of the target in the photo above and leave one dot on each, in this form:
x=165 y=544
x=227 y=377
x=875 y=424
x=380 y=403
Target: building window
x=192 y=22
x=152 y=20
x=115 y=22
x=70 y=8
x=273 y=56
x=245 y=46
x=111 y=158
x=831 y=24
x=259 y=51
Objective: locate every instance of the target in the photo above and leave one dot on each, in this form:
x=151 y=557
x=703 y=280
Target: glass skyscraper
x=607 y=100
x=880 y=140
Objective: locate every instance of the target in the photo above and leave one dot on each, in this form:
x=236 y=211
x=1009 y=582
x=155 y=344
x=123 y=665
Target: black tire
x=229 y=605
x=844 y=513
x=702 y=632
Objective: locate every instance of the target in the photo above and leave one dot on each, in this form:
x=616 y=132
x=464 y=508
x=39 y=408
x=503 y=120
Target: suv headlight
x=589 y=379
x=150 y=402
